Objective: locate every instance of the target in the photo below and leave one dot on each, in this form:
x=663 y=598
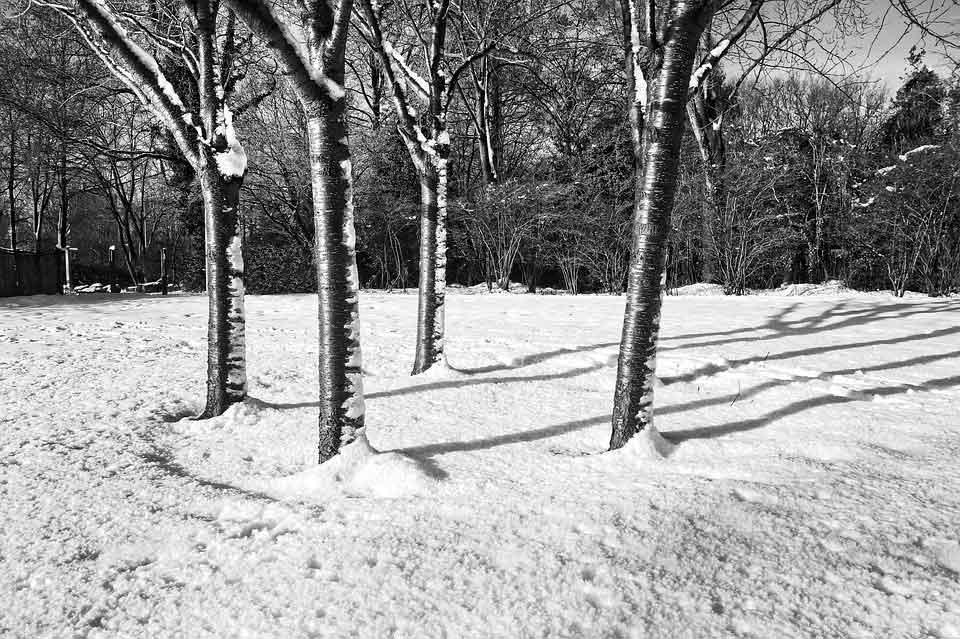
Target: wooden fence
x=23 y=273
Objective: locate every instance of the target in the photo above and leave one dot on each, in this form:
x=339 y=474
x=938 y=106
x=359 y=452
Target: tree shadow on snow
x=531 y=360
x=162 y=460
x=778 y=323
x=710 y=369
x=707 y=432
x=502 y=440
x=450 y=383
x=779 y=326
x=718 y=430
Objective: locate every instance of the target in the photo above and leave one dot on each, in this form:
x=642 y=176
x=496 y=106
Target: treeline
x=799 y=188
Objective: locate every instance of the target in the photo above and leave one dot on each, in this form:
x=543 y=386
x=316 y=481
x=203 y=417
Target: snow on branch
x=418 y=83
x=919 y=149
x=259 y=18
x=407 y=124
x=713 y=56
x=135 y=67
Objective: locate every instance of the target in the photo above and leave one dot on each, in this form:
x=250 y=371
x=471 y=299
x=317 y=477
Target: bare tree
x=429 y=148
x=715 y=96
x=658 y=85
x=209 y=143
x=317 y=74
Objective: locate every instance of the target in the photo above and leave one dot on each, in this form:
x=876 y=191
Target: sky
x=885 y=57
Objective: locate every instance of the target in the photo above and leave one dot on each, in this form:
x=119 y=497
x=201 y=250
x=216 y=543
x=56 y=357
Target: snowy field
x=814 y=490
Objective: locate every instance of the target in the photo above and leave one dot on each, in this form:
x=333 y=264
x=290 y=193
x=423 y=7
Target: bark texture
x=221 y=182
x=341 y=377
x=433 y=267
x=656 y=182
x=226 y=341
x=429 y=148
x=317 y=75
x=11 y=192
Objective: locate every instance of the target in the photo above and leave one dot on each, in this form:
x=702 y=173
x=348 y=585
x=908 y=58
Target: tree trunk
x=433 y=264
x=11 y=185
x=341 y=377
x=226 y=343
x=123 y=238
x=488 y=119
x=656 y=184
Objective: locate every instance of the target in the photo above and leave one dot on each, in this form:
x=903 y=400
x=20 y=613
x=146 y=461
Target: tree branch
x=259 y=18
x=713 y=56
x=136 y=68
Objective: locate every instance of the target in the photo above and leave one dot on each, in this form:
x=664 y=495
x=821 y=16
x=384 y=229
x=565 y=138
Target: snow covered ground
x=814 y=491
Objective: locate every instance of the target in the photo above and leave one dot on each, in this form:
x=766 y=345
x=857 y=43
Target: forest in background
x=818 y=175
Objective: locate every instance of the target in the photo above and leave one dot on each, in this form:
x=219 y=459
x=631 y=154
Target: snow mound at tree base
x=440 y=370
x=359 y=470
x=647 y=445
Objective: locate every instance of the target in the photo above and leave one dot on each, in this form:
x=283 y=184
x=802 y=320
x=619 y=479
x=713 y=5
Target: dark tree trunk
x=341 y=378
x=656 y=183
x=123 y=238
x=376 y=90
x=63 y=223
x=11 y=187
x=705 y=113
x=708 y=132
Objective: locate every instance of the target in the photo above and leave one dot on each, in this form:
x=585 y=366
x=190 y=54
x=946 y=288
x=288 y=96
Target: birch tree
x=429 y=147
x=208 y=141
x=659 y=55
x=317 y=74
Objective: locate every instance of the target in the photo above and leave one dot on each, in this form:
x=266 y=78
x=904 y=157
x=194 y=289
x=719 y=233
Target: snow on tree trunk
x=226 y=340
x=341 y=377
x=656 y=184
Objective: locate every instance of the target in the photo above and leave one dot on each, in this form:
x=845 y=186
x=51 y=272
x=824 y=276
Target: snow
x=143 y=58
x=358 y=471
x=920 y=149
x=639 y=78
x=830 y=287
x=418 y=82
x=775 y=498
x=715 y=54
x=701 y=288
x=354 y=406
x=231 y=162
